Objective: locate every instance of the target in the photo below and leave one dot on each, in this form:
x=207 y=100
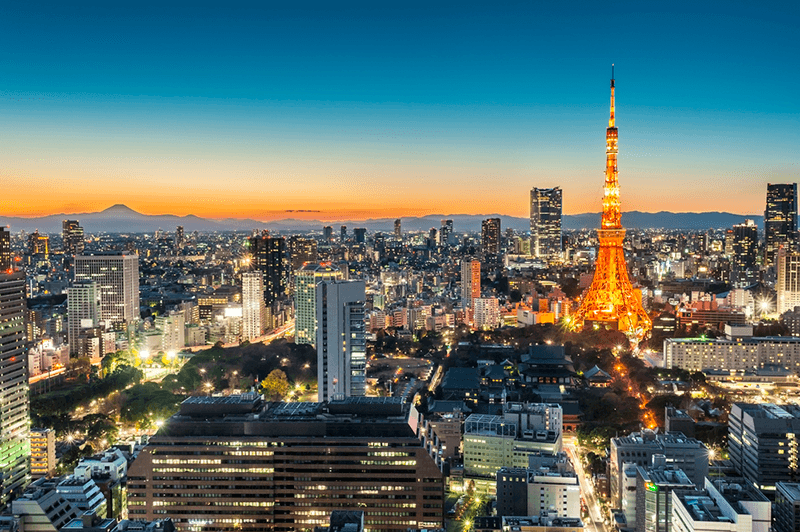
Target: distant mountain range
x=122 y=219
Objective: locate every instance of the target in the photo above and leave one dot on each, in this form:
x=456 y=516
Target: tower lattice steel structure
x=611 y=299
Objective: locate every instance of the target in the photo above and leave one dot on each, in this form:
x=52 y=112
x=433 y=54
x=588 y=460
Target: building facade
x=341 y=341
x=268 y=256
x=490 y=236
x=780 y=219
x=470 y=281
x=305 y=299
x=117 y=276
x=253 y=305
x=546 y=235
x=72 y=237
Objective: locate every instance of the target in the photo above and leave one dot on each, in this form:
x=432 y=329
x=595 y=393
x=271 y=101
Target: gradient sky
x=372 y=109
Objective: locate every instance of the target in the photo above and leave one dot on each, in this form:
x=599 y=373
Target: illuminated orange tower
x=611 y=299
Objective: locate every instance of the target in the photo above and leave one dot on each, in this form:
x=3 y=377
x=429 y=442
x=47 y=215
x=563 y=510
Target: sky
x=351 y=110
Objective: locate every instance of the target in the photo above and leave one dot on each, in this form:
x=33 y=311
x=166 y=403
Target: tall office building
x=179 y=239
x=117 y=275
x=38 y=244
x=72 y=237
x=268 y=257
x=744 y=270
x=14 y=404
x=83 y=311
x=446 y=233
x=546 y=236
x=343 y=233
x=253 y=306
x=398 y=229
x=5 y=250
x=305 y=299
x=327 y=233
x=470 y=281
x=341 y=345
x=227 y=464
x=490 y=236
x=360 y=235
x=787 y=284
x=780 y=219
x=302 y=250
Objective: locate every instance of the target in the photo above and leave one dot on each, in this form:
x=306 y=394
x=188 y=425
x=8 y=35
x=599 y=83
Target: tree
x=276 y=385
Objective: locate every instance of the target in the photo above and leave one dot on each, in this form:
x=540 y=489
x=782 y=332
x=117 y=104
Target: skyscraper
x=38 y=244
x=305 y=299
x=360 y=234
x=253 y=307
x=268 y=257
x=83 y=311
x=611 y=299
x=398 y=229
x=14 y=403
x=546 y=222
x=72 y=237
x=343 y=233
x=780 y=219
x=470 y=281
x=446 y=233
x=490 y=236
x=787 y=284
x=179 y=239
x=327 y=233
x=744 y=271
x=117 y=275
x=5 y=250
x=302 y=250
x=341 y=345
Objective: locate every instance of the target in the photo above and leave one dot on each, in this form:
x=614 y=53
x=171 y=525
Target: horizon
x=362 y=110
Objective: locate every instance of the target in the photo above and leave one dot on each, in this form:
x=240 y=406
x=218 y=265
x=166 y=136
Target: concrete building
x=305 y=299
x=43 y=452
x=787 y=507
x=727 y=509
x=738 y=350
x=14 y=401
x=546 y=236
x=5 y=250
x=486 y=314
x=762 y=442
x=72 y=237
x=470 y=281
x=549 y=487
x=654 y=486
x=780 y=219
x=676 y=420
x=253 y=306
x=235 y=463
x=341 y=342
x=638 y=449
x=787 y=283
x=83 y=311
x=490 y=236
x=117 y=276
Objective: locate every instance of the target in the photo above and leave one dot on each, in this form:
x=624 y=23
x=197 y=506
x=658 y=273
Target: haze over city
x=358 y=110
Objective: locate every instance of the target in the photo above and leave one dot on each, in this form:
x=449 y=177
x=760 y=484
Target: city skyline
x=361 y=111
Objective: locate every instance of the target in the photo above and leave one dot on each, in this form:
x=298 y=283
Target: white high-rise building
x=117 y=276
x=253 y=308
x=487 y=313
x=305 y=299
x=788 y=282
x=341 y=345
x=83 y=311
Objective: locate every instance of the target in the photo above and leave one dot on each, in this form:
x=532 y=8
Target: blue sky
x=405 y=108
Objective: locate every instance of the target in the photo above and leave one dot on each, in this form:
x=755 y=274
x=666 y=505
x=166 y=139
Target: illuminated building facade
x=15 y=443
x=446 y=233
x=83 y=311
x=611 y=299
x=38 y=244
x=253 y=311
x=236 y=464
x=780 y=219
x=5 y=250
x=268 y=257
x=117 y=275
x=787 y=284
x=744 y=270
x=398 y=229
x=490 y=236
x=546 y=222
x=341 y=344
x=470 y=281
x=72 y=237
x=305 y=299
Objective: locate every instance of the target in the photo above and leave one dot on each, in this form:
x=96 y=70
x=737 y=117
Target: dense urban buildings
x=546 y=237
x=234 y=463
x=611 y=299
x=780 y=219
x=14 y=403
x=341 y=341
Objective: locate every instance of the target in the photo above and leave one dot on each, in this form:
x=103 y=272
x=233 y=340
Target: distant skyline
x=362 y=110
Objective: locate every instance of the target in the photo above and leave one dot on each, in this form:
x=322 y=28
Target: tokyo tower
x=611 y=300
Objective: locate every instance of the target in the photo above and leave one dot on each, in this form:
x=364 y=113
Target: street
x=587 y=490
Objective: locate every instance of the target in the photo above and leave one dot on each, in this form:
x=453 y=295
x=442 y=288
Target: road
x=285 y=329
x=587 y=490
